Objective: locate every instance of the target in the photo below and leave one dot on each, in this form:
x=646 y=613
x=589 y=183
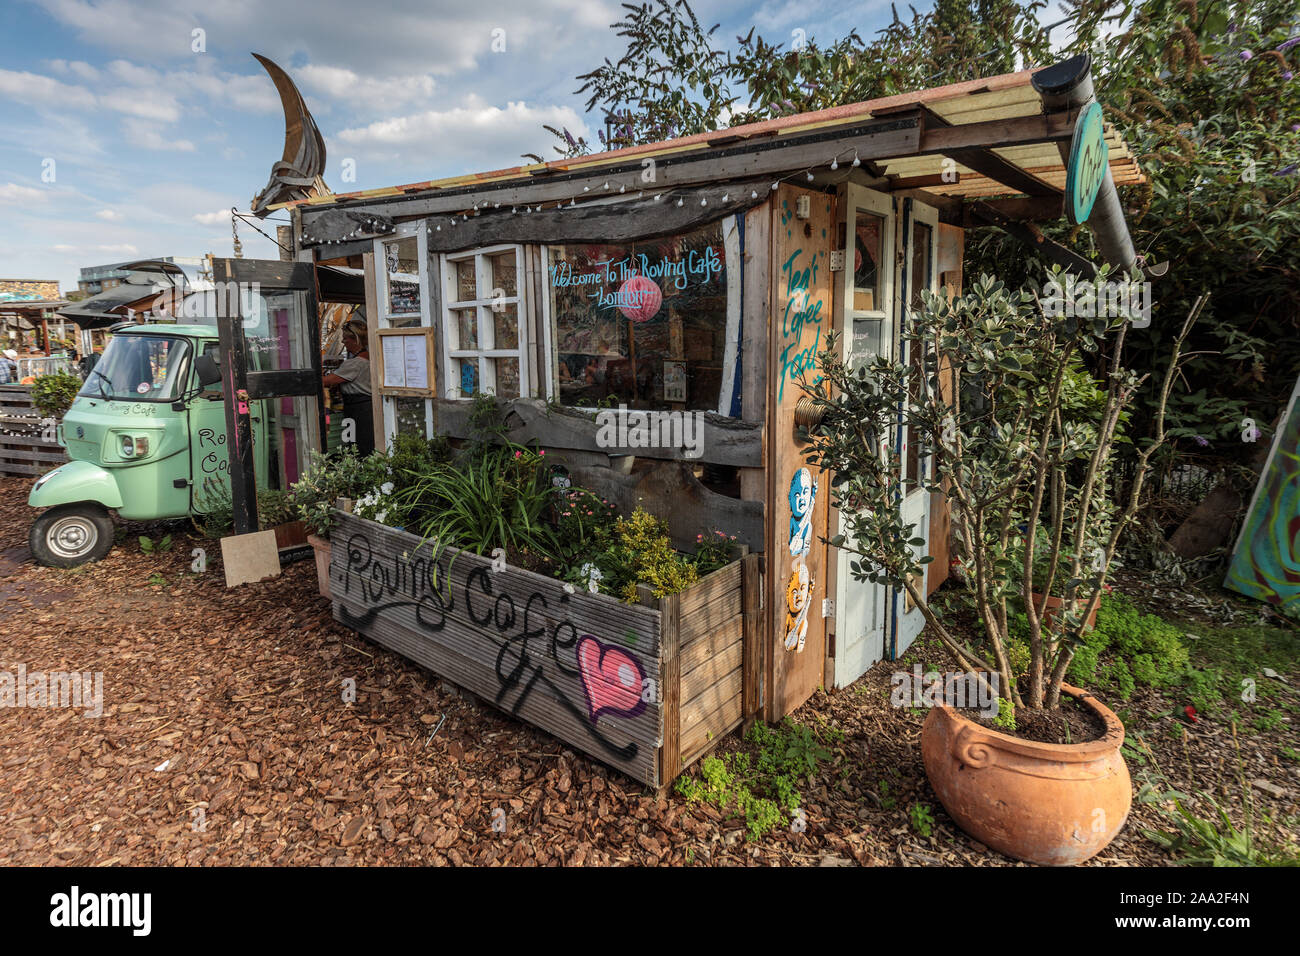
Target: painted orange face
x=796 y=591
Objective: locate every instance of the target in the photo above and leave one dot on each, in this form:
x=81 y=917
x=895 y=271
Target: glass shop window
x=402 y=282
x=642 y=324
x=486 y=346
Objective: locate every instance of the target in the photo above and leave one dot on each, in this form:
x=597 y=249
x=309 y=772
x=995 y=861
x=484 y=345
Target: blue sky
x=119 y=140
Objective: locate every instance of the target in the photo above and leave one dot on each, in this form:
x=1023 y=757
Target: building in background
x=96 y=279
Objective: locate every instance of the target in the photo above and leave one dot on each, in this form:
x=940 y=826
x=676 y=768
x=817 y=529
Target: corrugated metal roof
x=1007 y=96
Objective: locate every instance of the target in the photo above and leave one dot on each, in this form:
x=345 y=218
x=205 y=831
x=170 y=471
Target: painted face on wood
x=803 y=494
x=797 y=594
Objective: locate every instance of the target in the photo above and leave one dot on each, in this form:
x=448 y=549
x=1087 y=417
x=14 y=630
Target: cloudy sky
x=118 y=139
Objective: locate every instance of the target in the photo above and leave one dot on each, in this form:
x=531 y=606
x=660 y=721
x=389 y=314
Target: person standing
x=352 y=378
x=8 y=366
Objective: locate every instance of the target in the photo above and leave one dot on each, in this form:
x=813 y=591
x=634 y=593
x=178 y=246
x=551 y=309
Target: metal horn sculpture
x=297 y=174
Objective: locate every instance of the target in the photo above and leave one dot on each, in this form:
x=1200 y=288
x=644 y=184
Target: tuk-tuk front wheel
x=69 y=535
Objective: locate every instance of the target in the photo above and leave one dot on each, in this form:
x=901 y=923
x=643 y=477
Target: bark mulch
x=225 y=739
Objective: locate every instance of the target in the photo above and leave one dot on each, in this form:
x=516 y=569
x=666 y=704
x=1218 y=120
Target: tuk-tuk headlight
x=133 y=447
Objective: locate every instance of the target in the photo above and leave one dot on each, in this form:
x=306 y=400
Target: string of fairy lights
x=366 y=227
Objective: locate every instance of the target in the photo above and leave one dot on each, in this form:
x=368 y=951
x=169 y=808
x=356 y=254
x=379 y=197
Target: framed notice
x=404 y=355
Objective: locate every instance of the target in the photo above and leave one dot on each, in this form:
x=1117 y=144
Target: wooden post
x=234 y=374
x=670 y=683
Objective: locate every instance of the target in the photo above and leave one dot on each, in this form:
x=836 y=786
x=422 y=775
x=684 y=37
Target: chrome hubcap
x=73 y=536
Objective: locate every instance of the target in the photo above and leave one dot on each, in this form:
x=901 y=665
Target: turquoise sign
x=1089 y=159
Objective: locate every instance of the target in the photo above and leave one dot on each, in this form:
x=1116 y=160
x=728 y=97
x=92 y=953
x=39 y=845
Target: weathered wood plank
x=712 y=698
x=718 y=613
x=796 y=150
x=752 y=630
x=722 y=582
x=725 y=441
x=703 y=734
x=670 y=651
x=705 y=645
x=712 y=672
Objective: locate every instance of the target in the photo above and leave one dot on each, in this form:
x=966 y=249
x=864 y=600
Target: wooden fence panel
x=22 y=449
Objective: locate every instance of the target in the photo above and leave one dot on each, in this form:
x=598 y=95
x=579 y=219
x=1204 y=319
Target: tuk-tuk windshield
x=139 y=368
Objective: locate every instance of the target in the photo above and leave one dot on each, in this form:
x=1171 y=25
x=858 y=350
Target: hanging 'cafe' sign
x=1089 y=159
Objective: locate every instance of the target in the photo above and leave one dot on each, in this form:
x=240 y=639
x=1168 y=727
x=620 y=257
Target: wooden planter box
x=645 y=689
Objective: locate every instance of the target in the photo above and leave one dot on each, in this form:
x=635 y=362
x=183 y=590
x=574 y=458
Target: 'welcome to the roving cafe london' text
x=703 y=263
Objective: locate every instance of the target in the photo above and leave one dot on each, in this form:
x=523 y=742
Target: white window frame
x=383 y=319
x=452 y=354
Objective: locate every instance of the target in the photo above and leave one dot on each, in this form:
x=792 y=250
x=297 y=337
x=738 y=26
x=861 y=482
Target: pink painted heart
x=611 y=677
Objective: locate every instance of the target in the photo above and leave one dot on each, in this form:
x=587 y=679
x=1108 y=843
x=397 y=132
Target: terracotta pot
x=1053 y=605
x=1053 y=804
x=322 y=548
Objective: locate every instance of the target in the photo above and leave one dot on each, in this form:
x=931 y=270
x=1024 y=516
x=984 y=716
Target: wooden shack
x=647 y=316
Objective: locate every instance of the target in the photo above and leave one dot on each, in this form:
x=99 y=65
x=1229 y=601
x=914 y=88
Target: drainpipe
x=1068 y=85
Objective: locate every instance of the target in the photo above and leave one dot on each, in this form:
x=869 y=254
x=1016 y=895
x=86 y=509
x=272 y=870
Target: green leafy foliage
x=1128 y=648
x=162 y=546
x=642 y=553
x=329 y=477
x=1024 y=450
x=672 y=80
x=497 y=497
x=53 y=394
x=214 y=510
x=922 y=819
x=715 y=549
x=274 y=507
x=1006 y=718
x=761 y=788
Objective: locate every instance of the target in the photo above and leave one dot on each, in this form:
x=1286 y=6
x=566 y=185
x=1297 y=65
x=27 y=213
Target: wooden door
x=797 y=494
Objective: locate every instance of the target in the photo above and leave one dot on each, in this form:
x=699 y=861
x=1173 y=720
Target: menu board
x=406 y=361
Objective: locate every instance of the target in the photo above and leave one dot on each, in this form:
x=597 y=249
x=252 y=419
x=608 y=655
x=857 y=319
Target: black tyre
x=69 y=535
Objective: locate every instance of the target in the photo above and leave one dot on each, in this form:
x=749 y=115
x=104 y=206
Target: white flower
x=386 y=488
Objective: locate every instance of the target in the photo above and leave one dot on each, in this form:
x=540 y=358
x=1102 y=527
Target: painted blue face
x=800 y=492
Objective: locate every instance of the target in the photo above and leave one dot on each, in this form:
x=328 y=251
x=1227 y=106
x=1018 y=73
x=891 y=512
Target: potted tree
x=990 y=397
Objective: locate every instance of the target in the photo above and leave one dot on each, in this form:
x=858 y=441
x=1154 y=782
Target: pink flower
x=517 y=454
x=542 y=453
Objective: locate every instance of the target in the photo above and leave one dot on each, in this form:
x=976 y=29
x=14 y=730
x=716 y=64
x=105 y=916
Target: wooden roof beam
x=972 y=145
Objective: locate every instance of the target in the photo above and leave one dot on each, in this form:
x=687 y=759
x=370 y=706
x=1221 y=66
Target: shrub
x=1146 y=650
x=330 y=477
x=715 y=550
x=642 y=553
x=53 y=394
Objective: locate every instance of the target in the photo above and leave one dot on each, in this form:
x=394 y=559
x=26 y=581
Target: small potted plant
x=1026 y=467
x=316 y=495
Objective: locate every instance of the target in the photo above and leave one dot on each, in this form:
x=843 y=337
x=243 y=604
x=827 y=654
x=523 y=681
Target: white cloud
x=33 y=89
x=369 y=92
x=473 y=136
x=109 y=215
x=12 y=192
x=212 y=218
x=149 y=135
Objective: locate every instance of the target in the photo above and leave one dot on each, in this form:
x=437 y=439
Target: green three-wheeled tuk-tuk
x=147 y=439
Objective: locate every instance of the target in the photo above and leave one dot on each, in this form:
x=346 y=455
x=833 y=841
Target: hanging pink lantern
x=640 y=298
